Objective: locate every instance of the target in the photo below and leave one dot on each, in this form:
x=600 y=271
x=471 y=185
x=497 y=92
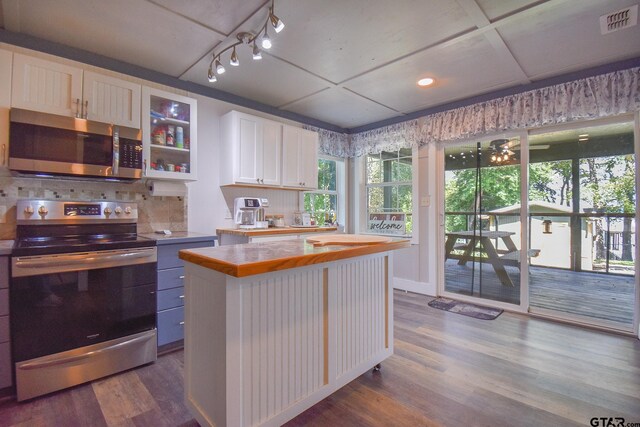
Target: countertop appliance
x=82 y=294
x=249 y=212
x=48 y=144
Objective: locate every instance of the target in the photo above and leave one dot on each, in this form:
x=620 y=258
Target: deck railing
x=612 y=246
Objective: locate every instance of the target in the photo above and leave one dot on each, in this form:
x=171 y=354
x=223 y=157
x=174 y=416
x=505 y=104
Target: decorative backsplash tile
x=155 y=213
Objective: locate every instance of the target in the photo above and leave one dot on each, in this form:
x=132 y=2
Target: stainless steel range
x=82 y=292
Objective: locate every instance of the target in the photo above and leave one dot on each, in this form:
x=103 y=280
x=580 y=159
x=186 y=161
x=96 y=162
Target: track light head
x=257 y=53
x=266 y=41
x=219 y=68
x=212 y=77
x=276 y=22
x=234 y=58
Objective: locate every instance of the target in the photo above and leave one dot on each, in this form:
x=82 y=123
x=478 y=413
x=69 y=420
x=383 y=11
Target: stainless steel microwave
x=41 y=143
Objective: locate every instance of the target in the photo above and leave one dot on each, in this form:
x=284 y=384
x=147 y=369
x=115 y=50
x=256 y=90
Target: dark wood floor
x=596 y=295
x=447 y=370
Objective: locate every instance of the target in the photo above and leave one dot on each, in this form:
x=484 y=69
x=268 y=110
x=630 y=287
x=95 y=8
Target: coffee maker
x=249 y=212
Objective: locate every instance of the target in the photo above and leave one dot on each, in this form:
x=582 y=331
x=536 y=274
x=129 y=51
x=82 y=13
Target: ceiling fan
x=513 y=144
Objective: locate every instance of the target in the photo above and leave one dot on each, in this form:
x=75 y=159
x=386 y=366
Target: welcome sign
x=387 y=223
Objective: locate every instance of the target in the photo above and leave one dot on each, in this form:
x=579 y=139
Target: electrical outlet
x=227 y=213
x=3 y=214
x=425 y=201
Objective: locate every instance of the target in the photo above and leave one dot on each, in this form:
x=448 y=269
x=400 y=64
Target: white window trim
x=361 y=207
x=340 y=191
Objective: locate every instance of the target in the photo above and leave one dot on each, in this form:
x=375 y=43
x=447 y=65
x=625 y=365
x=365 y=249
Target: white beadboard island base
x=261 y=349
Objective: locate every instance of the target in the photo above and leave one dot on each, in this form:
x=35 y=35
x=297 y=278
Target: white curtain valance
x=590 y=98
x=594 y=97
x=332 y=143
x=389 y=138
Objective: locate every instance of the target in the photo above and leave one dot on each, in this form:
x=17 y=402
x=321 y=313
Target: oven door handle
x=83 y=356
x=23 y=266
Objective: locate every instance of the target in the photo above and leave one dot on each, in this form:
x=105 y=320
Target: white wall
x=415 y=267
x=208 y=202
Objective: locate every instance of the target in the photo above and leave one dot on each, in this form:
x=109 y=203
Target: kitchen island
x=273 y=328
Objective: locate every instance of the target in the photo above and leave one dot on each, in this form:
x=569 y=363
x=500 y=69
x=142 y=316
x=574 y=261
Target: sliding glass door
x=582 y=203
x=482 y=220
x=545 y=222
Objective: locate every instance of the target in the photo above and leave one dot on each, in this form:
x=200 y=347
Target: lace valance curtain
x=589 y=98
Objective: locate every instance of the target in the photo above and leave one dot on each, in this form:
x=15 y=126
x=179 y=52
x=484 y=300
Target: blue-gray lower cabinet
x=5 y=350
x=170 y=293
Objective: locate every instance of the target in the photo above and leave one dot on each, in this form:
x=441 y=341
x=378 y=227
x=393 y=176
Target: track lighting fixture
x=248 y=38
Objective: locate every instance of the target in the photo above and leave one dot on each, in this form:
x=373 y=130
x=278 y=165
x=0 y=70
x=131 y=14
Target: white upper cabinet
x=300 y=158
x=5 y=105
x=111 y=100
x=54 y=88
x=169 y=135
x=45 y=86
x=251 y=150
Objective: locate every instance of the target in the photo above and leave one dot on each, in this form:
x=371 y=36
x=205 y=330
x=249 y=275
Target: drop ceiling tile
x=220 y=15
x=339 y=39
x=342 y=108
x=498 y=8
x=461 y=70
x=136 y=32
x=567 y=38
x=268 y=80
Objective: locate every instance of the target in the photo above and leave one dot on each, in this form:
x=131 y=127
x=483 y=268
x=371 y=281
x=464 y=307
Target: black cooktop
x=56 y=239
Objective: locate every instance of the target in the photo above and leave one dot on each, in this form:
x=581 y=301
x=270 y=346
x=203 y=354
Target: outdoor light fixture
x=546 y=226
x=215 y=66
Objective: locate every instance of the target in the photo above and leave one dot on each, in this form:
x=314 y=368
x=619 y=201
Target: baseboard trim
x=413 y=286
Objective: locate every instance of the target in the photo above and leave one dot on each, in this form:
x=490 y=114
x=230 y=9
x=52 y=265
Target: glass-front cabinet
x=169 y=133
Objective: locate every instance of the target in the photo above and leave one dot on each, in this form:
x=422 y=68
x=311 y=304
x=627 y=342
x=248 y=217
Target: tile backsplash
x=155 y=213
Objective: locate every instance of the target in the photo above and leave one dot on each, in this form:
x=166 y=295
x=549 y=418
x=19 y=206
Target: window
x=326 y=204
x=389 y=192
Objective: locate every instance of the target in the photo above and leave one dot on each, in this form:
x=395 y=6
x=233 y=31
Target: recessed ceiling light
x=427 y=81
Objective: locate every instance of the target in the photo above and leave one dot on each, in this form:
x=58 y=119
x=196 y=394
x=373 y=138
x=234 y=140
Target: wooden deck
x=596 y=295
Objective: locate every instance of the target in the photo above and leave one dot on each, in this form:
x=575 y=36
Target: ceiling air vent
x=618 y=20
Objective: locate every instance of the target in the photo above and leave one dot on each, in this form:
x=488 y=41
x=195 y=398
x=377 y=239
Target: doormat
x=466 y=309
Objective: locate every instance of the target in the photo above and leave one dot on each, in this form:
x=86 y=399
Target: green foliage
x=608 y=183
x=393 y=169
x=324 y=206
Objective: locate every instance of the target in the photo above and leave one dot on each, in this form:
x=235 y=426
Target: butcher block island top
x=265 y=257
x=253 y=232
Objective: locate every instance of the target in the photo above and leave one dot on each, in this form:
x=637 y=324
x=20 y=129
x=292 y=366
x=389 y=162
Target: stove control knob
x=118 y=210
x=42 y=210
x=127 y=210
x=107 y=211
x=29 y=210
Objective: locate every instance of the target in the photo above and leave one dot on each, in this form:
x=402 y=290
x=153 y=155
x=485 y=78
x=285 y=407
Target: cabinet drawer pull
x=181 y=297
x=182 y=277
x=86 y=109
x=78 y=113
x=182 y=323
